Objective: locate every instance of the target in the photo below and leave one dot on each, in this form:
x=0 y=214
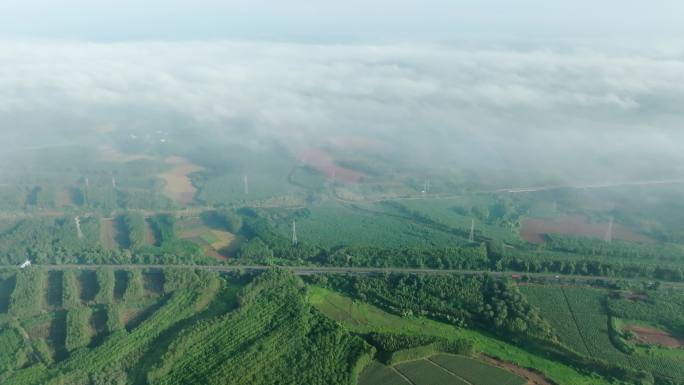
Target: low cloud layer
x=568 y=108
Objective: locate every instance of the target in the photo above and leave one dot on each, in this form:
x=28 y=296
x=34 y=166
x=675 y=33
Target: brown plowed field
x=324 y=163
x=652 y=336
x=533 y=230
x=532 y=377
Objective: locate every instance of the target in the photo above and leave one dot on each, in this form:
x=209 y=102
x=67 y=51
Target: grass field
x=360 y=317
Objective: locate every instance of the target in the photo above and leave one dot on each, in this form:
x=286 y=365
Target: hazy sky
x=319 y=20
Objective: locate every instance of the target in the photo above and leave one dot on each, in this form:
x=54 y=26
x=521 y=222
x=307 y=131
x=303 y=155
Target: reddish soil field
x=533 y=230
x=324 y=163
x=653 y=336
x=532 y=377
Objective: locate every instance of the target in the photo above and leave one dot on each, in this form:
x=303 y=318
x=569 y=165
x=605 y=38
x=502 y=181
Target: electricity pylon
x=609 y=232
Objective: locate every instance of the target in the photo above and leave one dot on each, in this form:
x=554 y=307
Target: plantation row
x=36 y=290
x=121 y=349
x=192 y=335
x=581 y=320
x=59 y=312
x=128 y=238
x=274 y=337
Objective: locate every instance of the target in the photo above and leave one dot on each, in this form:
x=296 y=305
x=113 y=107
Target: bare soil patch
x=109 y=233
x=178 y=184
x=149 y=234
x=653 y=336
x=324 y=163
x=636 y=296
x=217 y=244
x=532 y=377
x=64 y=197
x=534 y=230
x=111 y=154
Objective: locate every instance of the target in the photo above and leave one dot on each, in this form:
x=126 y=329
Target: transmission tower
x=113 y=182
x=609 y=232
x=85 y=191
x=471 y=238
x=246 y=185
x=294 y=233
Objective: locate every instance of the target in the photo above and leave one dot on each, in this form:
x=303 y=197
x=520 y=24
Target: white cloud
x=295 y=91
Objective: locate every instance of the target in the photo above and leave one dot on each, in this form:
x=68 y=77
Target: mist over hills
x=576 y=111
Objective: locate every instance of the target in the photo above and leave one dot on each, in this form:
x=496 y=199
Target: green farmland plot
x=379 y=374
x=476 y=372
x=551 y=301
x=333 y=224
x=424 y=372
x=588 y=311
x=454 y=213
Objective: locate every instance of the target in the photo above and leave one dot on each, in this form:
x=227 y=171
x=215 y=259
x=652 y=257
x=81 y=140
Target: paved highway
x=311 y=270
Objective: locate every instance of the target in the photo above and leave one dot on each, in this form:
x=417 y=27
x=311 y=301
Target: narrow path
x=400 y=374
x=27 y=340
x=79 y=233
x=531 y=375
x=452 y=373
x=574 y=319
